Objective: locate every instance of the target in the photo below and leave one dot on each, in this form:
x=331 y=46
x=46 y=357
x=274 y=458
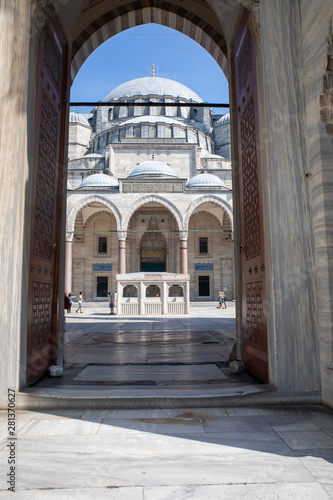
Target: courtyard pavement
x=210 y=452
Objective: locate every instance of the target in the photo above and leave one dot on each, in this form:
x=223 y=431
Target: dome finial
x=73 y=110
x=153 y=70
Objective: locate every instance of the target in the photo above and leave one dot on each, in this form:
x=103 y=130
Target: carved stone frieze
x=326 y=96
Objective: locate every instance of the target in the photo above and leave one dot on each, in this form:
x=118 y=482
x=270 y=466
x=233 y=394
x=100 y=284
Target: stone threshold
x=72 y=397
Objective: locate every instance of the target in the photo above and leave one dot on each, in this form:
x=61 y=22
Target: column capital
x=248 y=4
x=183 y=235
x=122 y=235
x=69 y=236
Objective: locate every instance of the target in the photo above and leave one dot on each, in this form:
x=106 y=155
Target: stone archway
x=153 y=199
x=193 y=23
x=288 y=226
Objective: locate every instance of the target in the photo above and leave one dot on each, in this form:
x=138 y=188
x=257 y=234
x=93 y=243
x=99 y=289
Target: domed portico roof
x=204 y=180
x=224 y=120
x=99 y=180
x=77 y=118
x=152 y=85
x=153 y=168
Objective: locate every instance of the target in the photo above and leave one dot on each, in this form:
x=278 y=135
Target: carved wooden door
x=254 y=314
x=46 y=204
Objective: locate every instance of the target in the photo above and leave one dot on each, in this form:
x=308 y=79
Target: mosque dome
x=99 y=180
x=204 y=180
x=224 y=120
x=153 y=168
x=78 y=118
x=152 y=85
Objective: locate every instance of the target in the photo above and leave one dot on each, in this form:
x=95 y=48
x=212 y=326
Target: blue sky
x=130 y=55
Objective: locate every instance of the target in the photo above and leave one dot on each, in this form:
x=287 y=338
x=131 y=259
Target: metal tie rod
x=153 y=104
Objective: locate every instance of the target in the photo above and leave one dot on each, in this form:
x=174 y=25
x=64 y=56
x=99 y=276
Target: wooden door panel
x=254 y=320
x=46 y=205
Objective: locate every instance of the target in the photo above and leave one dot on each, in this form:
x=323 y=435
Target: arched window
x=110 y=114
x=152 y=132
x=153 y=291
x=137 y=132
x=168 y=132
x=130 y=291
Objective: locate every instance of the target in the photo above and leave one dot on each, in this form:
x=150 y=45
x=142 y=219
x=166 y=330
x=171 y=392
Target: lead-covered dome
x=99 y=180
x=78 y=118
x=153 y=168
x=152 y=85
x=204 y=180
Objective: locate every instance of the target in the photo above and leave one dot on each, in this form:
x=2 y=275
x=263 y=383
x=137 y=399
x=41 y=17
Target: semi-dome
x=99 y=180
x=153 y=168
x=224 y=120
x=152 y=85
x=77 y=118
x=204 y=180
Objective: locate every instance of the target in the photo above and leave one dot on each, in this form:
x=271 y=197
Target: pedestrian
x=66 y=303
x=80 y=303
x=115 y=301
x=224 y=300
x=70 y=298
x=111 y=303
x=220 y=299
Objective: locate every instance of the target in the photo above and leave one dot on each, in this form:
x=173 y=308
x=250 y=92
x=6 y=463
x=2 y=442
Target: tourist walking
x=111 y=303
x=220 y=299
x=115 y=301
x=70 y=298
x=80 y=303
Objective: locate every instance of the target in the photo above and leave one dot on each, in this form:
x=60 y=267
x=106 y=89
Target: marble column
x=122 y=252
x=183 y=252
x=68 y=265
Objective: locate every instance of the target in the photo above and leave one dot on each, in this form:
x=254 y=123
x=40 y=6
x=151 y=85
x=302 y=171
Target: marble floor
x=282 y=452
x=120 y=354
x=212 y=451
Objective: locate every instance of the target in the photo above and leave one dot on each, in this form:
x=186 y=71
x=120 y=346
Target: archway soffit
x=207 y=199
x=153 y=199
x=84 y=203
x=135 y=13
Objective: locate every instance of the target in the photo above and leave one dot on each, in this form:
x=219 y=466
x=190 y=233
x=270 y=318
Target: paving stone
x=298 y=440
x=158 y=374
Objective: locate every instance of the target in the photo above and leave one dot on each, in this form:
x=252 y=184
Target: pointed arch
x=208 y=199
x=70 y=223
x=153 y=199
x=134 y=13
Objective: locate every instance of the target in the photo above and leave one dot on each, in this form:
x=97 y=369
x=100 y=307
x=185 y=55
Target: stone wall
x=317 y=25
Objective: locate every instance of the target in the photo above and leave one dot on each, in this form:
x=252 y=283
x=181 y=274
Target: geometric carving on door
x=244 y=63
x=46 y=180
x=254 y=312
x=251 y=206
x=41 y=313
x=52 y=57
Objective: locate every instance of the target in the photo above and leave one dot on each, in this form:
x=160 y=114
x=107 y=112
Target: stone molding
x=326 y=95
